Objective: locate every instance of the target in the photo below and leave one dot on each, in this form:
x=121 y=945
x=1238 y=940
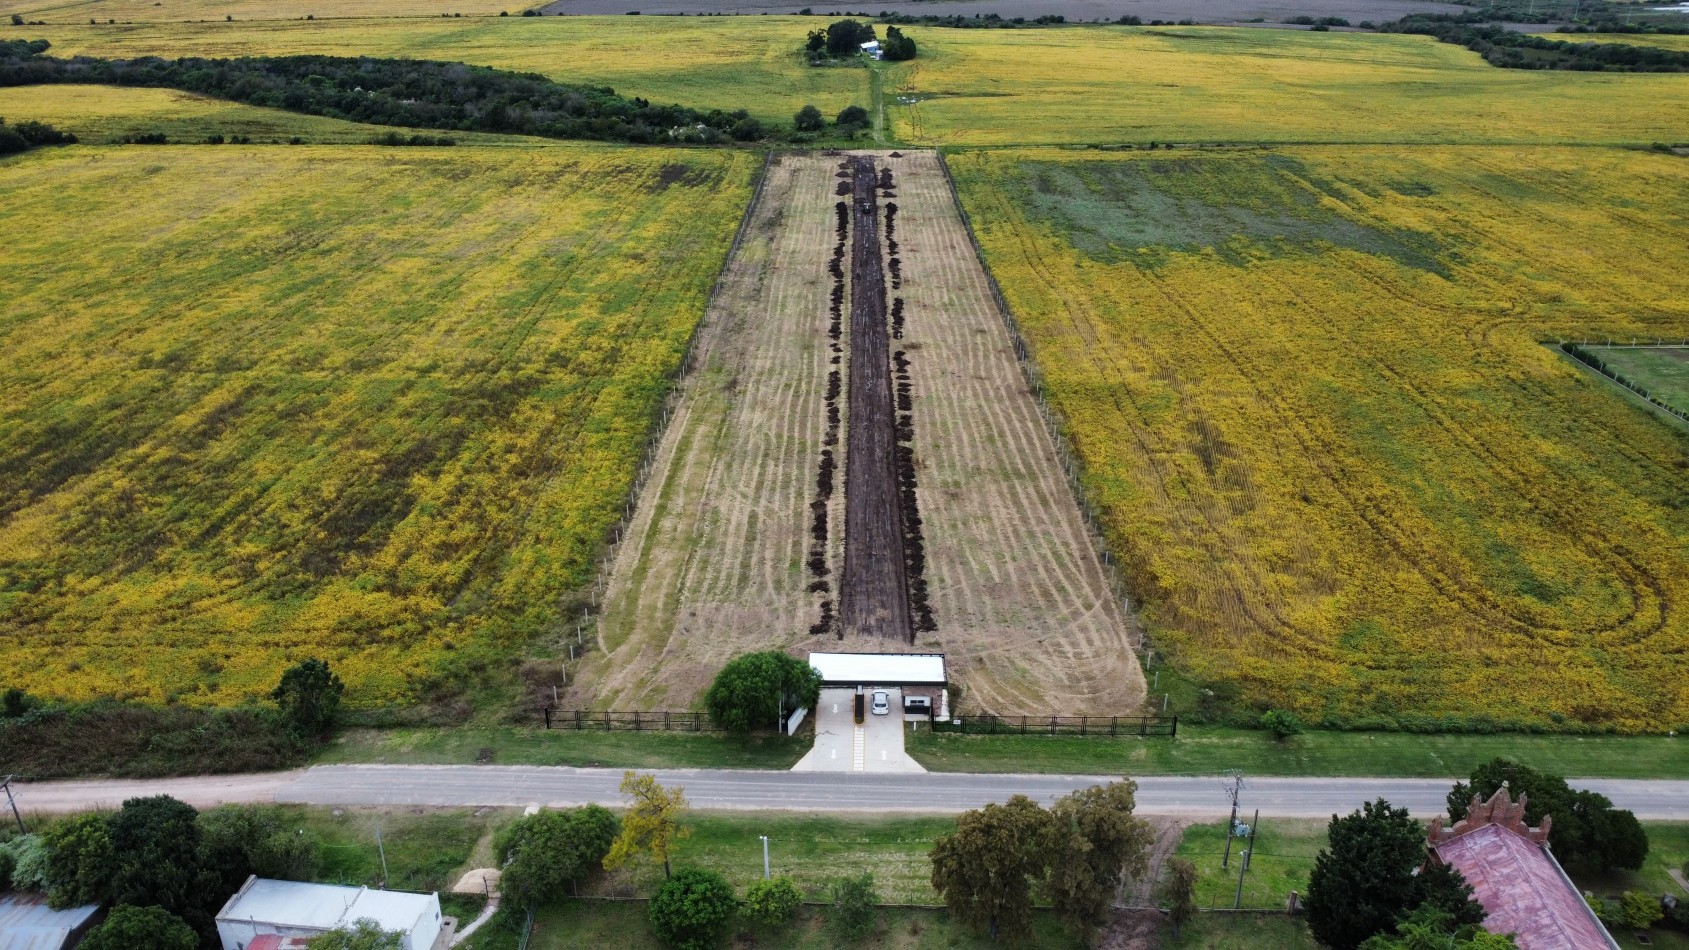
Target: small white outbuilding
x=263 y=907
x=872 y=48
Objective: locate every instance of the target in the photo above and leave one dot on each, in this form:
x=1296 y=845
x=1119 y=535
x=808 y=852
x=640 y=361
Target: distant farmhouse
x=1514 y=875
x=264 y=913
x=872 y=48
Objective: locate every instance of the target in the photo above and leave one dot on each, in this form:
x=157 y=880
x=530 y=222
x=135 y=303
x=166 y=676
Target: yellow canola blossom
x=375 y=405
x=1310 y=392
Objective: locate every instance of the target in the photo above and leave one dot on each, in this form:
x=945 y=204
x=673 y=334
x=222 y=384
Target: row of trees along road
x=1073 y=855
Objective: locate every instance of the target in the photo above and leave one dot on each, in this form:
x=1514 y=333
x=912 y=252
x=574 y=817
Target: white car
x=882 y=703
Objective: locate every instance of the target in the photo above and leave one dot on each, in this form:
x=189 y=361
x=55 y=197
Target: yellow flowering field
x=1216 y=84
x=1310 y=392
x=378 y=405
x=752 y=63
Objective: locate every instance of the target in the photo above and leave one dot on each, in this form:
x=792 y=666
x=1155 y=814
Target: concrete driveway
x=843 y=746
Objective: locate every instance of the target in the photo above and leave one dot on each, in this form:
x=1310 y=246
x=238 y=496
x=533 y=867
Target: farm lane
x=874 y=592
x=489 y=785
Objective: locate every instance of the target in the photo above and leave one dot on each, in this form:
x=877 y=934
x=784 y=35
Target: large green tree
x=547 y=851
x=1587 y=832
x=79 y=861
x=1365 y=881
x=1095 y=840
x=141 y=928
x=651 y=824
x=1428 y=928
x=237 y=840
x=156 y=845
x=309 y=695
x=691 y=909
x=753 y=690
x=986 y=870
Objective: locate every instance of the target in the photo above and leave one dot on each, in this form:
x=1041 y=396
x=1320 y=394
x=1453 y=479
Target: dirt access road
x=737 y=543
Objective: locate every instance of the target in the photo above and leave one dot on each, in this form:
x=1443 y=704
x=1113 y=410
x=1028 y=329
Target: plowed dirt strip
x=1024 y=610
x=874 y=593
x=713 y=565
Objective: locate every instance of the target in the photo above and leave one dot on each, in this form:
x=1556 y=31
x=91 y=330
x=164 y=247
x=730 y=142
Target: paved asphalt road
x=448 y=785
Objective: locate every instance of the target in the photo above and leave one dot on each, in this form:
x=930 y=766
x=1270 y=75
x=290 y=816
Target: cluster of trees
x=44 y=740
x=27 y=135
x=1073 y=855
x=979 y=21
x=757 y=690
x=1509 y=50
x=1372 y=888
x=850 y=121
x=402 y=92
x=839 y=39
x=164 y=867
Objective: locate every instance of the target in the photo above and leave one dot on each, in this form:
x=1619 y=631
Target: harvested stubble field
x=726 y=63
x=1219 y=84
x=374 y=405
x=1309 y=393
x=714 y=564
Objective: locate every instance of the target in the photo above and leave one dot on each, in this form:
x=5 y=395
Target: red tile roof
x=1524 y=891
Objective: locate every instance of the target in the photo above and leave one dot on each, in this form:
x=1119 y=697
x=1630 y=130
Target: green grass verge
x=598 y=924
x=1284 y=855
x=1242 y=931
x=427 y=849
x=1198 y=750
x=812 y=850
x=1205 y=750
x=1663 y=371
x=516 y=745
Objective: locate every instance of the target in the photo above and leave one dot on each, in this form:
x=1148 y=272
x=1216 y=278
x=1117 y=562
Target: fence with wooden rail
x=1159 y=726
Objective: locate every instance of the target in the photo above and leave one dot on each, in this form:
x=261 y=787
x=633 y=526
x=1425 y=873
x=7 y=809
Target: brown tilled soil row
x=874 y=592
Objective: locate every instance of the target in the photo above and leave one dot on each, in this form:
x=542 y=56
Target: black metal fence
x=1162 y=726
x=636 y=721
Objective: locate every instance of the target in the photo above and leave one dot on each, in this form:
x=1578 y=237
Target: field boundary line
x=658 y=431
x=1579 y=354
x=1053 y=426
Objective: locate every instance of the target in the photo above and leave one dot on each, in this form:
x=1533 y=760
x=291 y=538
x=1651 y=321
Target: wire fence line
x=1099 y=726
x=586 y=629
x=1053 y=424
x=1581 y=353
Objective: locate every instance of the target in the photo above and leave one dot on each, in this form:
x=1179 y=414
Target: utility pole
x=1232 y=786
x=764 y=856
x=1243 y=866
x=6 y=784
x=383 y=849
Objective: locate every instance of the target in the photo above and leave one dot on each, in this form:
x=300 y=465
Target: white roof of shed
x=325 y=906
x=870 y=668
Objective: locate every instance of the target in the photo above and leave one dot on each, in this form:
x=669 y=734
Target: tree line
x=402 y=92
x=1509 y=50
x=27 y=135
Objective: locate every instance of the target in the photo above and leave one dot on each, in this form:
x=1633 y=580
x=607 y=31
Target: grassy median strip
x=1198 y=750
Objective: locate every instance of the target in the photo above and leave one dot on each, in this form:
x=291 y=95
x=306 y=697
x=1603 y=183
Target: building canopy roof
x=325 y=906
x=868 y=669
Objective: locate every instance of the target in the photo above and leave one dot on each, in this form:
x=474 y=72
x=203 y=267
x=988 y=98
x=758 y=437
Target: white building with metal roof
x=296 y=909
x=880 y=669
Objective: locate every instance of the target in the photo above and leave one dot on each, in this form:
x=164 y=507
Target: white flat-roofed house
x=920 y=676
x=264 y=907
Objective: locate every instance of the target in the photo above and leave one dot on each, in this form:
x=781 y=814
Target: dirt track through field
x=874 y=593
x=738 y=543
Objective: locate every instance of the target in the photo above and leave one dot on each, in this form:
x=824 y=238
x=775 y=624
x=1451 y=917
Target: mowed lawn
x=1218 y=84
x=1343 y=474
x=1663 y=371
x=375 y=405
x=752 y=63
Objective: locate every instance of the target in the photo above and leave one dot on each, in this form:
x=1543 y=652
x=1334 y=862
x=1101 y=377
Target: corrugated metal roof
x=325 y=906
x=1523 y=891
x=871 y=668
x=27 y=923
